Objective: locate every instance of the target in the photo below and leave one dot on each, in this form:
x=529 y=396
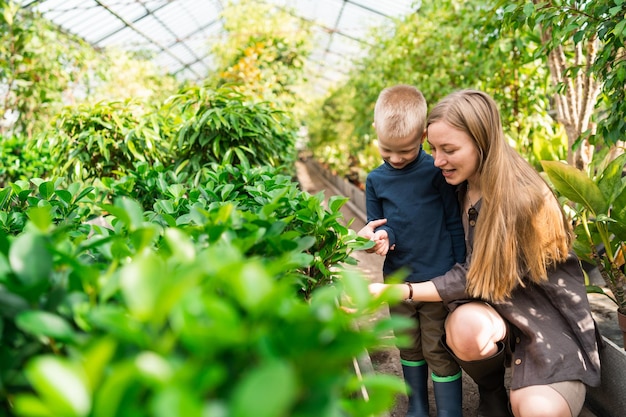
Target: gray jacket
x=553 y=335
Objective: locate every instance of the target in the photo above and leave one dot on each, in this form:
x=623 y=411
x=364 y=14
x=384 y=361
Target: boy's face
x=399 y=152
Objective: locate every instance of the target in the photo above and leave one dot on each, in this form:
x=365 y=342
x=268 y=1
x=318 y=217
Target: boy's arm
x=375 y=211
x=373 y=205
x=454 y=224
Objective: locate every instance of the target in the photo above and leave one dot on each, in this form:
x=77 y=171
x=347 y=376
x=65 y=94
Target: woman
x=519 y=300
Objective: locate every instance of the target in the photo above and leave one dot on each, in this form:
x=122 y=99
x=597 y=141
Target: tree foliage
x=264 y=51
x=47 y=69
x=445 y=46
x=227 y=126
x=583 y=45
x=35 y=73
x=104 y=139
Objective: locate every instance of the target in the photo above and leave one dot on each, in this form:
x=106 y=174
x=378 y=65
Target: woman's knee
x=538 y=401
x=473 y=329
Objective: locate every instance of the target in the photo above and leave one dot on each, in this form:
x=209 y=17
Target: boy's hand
x=368 y=230
x=380 y=237
x=381 y=240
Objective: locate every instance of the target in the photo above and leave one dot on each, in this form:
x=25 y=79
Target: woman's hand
x=422 y=291
x=377 y=288
x=399 y=291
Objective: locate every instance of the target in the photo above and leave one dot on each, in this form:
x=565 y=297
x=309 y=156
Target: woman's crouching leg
x=473 y=331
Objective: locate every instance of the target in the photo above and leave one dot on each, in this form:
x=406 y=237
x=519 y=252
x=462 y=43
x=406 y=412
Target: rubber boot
x=448 y=395
x=489 y=375
x=416 y=378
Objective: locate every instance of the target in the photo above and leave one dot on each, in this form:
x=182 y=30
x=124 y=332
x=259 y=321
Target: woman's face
x=455 y=153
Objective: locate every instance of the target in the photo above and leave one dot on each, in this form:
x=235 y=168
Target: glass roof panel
x=179 y=32
x=125 y=38
x=390 y=8
x=357 y=22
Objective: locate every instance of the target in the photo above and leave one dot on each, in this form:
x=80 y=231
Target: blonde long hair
x=521 y=230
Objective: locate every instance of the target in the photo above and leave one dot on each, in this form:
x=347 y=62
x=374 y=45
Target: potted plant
x=598 y=204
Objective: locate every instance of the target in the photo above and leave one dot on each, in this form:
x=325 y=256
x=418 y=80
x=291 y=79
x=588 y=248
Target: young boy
x=423 y=235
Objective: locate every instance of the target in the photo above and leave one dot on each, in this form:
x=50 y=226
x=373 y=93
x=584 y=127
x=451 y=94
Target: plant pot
x=621 y=321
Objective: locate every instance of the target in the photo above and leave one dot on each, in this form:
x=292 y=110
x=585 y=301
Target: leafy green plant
x=226 y=127
x=148 y=184
x=599 y=204
x=104 y=139
x=21 y=161
x=46 y=68
x=263 y=209
x=39 y=64
x=153 y=321
x=255 y=58
x=272 y=201
x=65 y=202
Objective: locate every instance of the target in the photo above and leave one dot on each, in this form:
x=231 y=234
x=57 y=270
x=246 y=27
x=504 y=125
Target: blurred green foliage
x=208 y=301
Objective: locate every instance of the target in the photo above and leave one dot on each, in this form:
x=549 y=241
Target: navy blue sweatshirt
x=423 y=218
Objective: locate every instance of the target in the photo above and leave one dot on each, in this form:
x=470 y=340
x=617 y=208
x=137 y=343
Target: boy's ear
x=423 y=138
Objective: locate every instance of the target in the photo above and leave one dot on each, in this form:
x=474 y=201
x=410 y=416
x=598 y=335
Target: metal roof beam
x=163 y=48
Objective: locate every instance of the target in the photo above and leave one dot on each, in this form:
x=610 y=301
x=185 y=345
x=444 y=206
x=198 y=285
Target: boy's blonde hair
x=522 y=230
x=400 y=111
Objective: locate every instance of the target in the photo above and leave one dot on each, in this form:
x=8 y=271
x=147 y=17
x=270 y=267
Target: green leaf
x=42 y=323
x=46 y=189
x=116 y=321
x=98 y=355
x=306 y=242
x=30 y=259
x=594 y=289
x=355 y=287
x=61 y=386
x=64 y=195
x=31 y=406
x=40 y=217
x=5 y=196
x=619 y=208
x=258 y=395
x=141 y=285
x=253 y=285
x=576 y=186
x=610 y=181
x=8 y=14
x=109 y=395
x=11 y=303
x=177 y=190
x=336 y=202
x=181 y=246
x=128 y=211
x=529 y=8
x=620 y=29
x=177 y=401
x=84 y=193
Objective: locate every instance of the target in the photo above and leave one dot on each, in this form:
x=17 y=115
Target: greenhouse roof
x=178 y=33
